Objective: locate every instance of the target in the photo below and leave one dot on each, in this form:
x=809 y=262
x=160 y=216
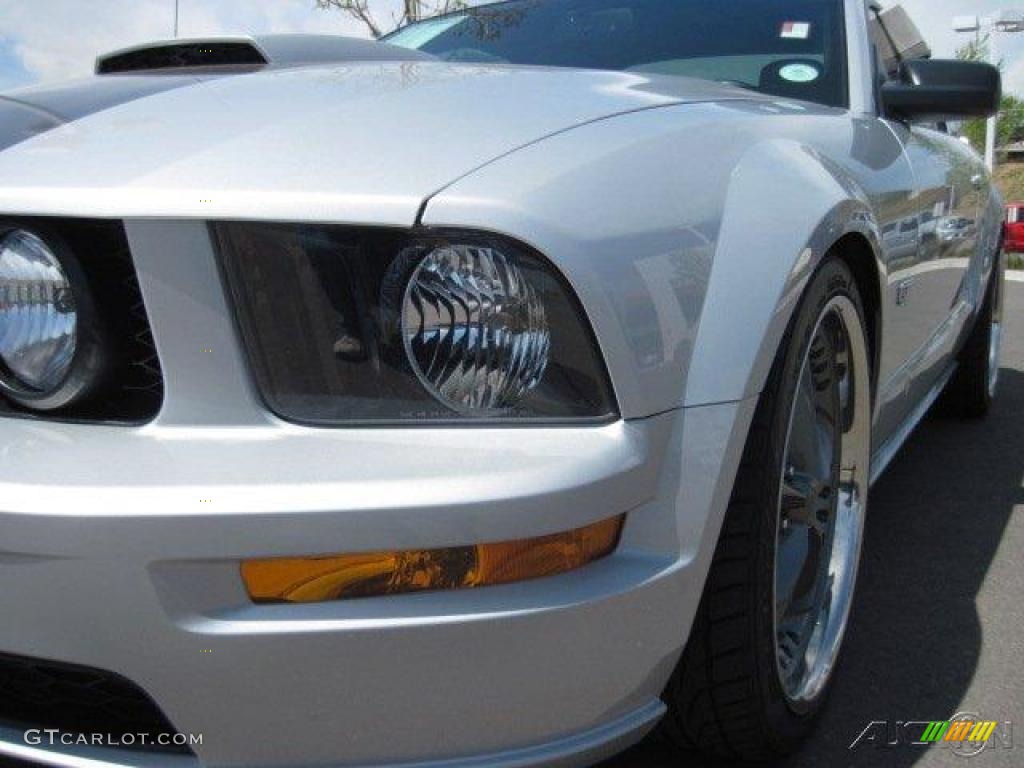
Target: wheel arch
x=815 y=210
x=857 y=252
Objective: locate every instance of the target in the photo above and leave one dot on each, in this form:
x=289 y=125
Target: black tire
x=725 y=698
x=969 y=393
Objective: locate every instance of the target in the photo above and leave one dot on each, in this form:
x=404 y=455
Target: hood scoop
x=244 y=54
x=162 y=56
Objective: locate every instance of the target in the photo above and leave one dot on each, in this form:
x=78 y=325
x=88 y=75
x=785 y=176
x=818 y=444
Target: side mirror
x=935 y=91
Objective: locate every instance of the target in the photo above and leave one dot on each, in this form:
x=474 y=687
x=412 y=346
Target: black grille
x=132 y=389
x=35 y=693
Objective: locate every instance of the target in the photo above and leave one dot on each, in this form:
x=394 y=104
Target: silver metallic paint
x=687 y=216
x=294 y=144
x=645 y=253
x=481 y=672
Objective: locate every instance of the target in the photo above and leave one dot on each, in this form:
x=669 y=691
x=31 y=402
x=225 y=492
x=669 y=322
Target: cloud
x=11 y=71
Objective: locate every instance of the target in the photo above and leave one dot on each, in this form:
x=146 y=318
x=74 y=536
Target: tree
x=411 y=10
x=1011 y=125
x=976 y=50
x=1011 y=110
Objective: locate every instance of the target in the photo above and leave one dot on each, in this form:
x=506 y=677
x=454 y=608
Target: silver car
x=487 y=396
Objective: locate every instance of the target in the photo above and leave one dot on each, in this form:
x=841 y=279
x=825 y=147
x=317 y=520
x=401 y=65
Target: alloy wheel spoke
x=791 y=559
x=806 y=501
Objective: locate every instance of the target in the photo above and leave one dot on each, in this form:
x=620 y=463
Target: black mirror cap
x=940 y=90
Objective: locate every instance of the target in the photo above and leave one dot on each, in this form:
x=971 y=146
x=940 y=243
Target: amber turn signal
x=315 y=579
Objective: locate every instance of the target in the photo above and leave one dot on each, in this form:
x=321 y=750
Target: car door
x=951 y=178
x=927 y=288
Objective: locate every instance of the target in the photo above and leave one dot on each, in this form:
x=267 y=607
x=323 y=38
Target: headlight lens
x=374 y=326
x=38 y=317
x=474 y=328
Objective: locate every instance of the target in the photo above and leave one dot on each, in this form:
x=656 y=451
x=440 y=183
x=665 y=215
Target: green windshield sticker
x=800 y=73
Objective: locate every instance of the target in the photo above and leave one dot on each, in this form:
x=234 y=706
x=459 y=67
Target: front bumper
x=121 y=549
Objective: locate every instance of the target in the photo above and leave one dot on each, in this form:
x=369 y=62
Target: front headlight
x=345 y=325
x=38 y=319
x=474 y=327
x=53 y=349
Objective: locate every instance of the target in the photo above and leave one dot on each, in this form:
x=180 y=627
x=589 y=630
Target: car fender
x=800 y=205
x=686 y=234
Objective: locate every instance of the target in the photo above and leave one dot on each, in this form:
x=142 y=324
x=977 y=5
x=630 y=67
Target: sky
x=47 y=40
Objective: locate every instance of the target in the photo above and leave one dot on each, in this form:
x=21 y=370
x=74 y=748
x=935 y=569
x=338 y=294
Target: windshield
x=790 y=48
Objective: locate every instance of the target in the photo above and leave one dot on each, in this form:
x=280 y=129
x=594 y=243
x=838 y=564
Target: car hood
x=364 y=143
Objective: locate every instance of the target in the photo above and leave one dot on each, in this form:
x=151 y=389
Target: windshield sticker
x=796 y=30
x=799 y=73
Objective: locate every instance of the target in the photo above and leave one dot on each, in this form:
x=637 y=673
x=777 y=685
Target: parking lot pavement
x=938 y=626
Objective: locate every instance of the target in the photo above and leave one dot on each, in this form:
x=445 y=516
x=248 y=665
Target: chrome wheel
x=822 y=501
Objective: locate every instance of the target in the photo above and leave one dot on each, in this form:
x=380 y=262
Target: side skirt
x=883 y=457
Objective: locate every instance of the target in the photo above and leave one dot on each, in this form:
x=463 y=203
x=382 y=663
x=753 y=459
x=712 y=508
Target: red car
x=1015 y=228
